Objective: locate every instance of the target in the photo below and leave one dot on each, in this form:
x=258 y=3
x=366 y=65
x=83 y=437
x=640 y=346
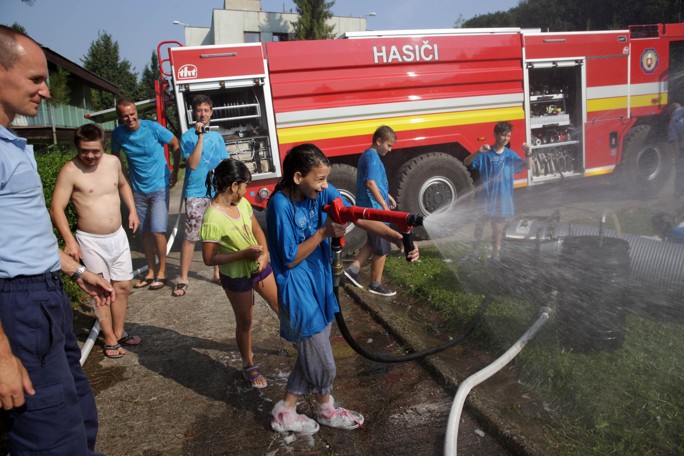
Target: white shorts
x=108 y=254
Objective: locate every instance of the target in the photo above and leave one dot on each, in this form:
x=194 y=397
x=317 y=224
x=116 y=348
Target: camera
x=203 y=129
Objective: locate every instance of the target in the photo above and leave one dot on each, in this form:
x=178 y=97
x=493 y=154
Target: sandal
x=129 y=340
x=252 y=375
x=116 y=347
x=179 y=290
x=146 y=282
x=157 y=284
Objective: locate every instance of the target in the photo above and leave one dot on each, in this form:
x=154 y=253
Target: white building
x=243 y=21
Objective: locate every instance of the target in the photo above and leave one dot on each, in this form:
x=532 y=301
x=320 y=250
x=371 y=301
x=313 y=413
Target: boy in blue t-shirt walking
x=372 y=190
x=497 y=166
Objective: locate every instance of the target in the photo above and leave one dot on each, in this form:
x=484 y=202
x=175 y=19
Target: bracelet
x=79 y=272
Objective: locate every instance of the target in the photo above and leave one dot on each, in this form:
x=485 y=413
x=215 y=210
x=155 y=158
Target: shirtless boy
x=93 y=182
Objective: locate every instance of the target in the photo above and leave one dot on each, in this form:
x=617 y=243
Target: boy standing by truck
x=372 y=190
x=497 y=166
x=93 y=182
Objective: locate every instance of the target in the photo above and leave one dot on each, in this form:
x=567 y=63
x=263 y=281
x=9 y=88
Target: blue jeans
x=153 y=210
x=61 y=418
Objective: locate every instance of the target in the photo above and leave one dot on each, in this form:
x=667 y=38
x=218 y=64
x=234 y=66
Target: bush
x=49 y=163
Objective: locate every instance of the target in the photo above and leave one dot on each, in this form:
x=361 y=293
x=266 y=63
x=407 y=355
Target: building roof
x=89 y=77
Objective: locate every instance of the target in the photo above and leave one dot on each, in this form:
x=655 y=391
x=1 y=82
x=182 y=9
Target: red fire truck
x=589 y=103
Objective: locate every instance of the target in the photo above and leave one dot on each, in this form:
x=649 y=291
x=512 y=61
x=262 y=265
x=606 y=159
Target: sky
x=68 y=27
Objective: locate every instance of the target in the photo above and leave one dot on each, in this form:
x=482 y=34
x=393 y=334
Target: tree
x=579 y=15
x=59 y=87
x=17 y=27
x=312 y=21
x=149 y=75
x=102 y=59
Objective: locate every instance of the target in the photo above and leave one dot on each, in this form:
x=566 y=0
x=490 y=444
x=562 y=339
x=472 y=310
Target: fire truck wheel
x=647 y=164
x=431 y=181
x=343 y=177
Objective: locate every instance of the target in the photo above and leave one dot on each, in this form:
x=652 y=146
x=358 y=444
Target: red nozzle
x=350 y=214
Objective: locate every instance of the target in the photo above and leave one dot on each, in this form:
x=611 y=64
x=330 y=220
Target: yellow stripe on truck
x=403 y=123
x=638 y=101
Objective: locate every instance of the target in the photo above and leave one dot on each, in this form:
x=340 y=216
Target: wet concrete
x=182 y=393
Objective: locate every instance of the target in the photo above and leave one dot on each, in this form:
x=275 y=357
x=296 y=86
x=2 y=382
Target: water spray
x=405 y=222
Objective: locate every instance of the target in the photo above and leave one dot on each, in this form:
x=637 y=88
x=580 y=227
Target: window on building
x=252 y=37
x=281 y=37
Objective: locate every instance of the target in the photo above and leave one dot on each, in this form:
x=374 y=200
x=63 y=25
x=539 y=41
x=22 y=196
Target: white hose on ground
x=92 y=337
x=469 y=383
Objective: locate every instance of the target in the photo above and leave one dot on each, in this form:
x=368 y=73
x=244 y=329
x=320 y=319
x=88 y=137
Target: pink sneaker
x=286 y=419
x=338 y=417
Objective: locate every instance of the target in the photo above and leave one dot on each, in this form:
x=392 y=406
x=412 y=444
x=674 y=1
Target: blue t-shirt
x=497 y=173
x=370 y=167
x=307 y=302
x=213 y=152
x=144 y=150
x=28 y=245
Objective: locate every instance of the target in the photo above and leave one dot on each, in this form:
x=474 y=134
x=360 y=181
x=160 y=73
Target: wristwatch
x=78 y=273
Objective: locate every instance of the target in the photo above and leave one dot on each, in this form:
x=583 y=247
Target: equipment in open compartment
x=555 y=120
x=239 y=118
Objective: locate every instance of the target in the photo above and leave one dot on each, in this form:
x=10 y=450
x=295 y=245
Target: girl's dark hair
x=302 y=158
x=228 y=171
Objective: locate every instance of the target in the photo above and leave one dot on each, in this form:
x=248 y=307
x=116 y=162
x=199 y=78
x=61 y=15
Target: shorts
x=153 y=210
x=194 y=212
x=380 y=245
x=245 y=283
x=108 y=254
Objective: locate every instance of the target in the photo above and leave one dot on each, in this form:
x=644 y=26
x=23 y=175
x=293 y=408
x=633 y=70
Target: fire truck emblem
x=649 y=61
x=188 y=71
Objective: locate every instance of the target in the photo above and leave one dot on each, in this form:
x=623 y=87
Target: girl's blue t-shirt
x=306 y=299
x=213 y=152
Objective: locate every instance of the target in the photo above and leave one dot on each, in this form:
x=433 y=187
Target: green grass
x=625 y=401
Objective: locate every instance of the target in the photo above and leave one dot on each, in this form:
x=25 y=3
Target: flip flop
x=157 y=284
x=116 y=347
x=146 y=282
x=179 y=290
x=129 y=340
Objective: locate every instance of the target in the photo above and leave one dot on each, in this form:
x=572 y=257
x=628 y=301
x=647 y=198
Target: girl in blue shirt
x=298 y=236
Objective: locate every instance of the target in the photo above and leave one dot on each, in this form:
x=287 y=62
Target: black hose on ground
x=385 y=358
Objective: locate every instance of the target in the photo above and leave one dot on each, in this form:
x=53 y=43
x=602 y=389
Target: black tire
x=430 y=182
x=343 y=177
x=647 y=163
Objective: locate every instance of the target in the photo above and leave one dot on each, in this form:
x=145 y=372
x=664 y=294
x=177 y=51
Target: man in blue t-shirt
x=143 y=143
x=202 y=152
x=497 y=166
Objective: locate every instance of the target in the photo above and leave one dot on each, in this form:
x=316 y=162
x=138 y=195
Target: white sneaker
x=338 y=417
x=286 y=419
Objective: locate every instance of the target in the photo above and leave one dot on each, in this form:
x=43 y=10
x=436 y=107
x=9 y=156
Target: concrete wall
x=239 y=16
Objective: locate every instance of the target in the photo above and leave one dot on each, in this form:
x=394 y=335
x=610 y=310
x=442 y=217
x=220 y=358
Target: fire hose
x=405 y=222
